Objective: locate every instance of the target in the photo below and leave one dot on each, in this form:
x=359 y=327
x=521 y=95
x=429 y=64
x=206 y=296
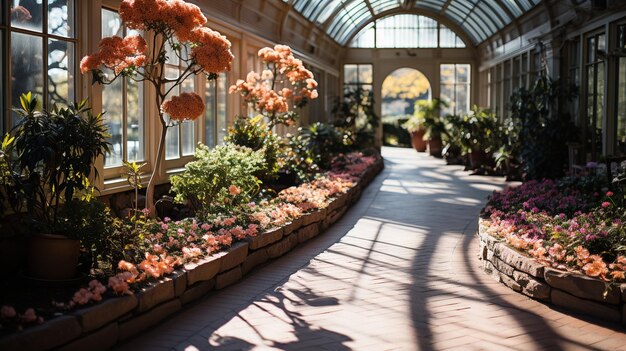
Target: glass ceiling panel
x=478 y=18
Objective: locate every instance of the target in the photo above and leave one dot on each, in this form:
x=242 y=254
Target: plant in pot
x=433 y=123
x=11 y=201
x=54 y=153
x=480 y=136
x=415 y=126
x=452 y=150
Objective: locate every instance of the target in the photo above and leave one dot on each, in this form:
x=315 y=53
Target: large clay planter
x=417 y=140
x=478 y=159
x=435 y=145
x=52 y=257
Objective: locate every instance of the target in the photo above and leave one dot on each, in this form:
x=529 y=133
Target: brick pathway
x=398 y=272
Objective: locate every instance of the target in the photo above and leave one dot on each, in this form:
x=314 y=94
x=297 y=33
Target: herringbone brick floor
x=398 y=272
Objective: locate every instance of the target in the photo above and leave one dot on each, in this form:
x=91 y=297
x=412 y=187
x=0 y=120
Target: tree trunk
x=157 y=170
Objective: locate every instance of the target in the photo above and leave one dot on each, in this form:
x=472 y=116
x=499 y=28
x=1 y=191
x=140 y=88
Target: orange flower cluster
x=186 y=106
x=282 y=67
x=212 y=50
x=117 y=54
x=177 y=15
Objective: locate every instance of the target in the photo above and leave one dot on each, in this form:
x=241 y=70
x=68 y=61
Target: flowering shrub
x=562 y=227
x=219 y=178
x=10 y=319
x=179 y=26
x=261 y=91
x=255 y=134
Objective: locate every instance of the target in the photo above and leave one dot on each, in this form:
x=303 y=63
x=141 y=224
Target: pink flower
x=234 y=190
x=29 y=316
x=609 y=193
x=186 y=106
x=606 y=204
x=7 y=312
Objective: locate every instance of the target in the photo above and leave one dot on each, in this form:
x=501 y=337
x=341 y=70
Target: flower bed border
x=568 y=290
x=116 y=319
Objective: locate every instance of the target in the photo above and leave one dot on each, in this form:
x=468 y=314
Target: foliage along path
x=398 y=271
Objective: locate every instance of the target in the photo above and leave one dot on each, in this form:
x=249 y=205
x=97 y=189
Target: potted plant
x=11 y=242
x=433 y=123
x=54 y=153
x=452 y=150
x=480 y=136
x=415 y=126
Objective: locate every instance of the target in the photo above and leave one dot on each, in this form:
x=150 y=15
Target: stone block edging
x=101 y=326
x=569 y=290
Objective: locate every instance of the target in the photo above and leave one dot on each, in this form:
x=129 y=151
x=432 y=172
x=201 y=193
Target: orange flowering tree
x=284 y=80
x=173 y=23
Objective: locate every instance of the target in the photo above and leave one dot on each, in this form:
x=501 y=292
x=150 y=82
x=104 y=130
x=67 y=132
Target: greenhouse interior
x=313 y=175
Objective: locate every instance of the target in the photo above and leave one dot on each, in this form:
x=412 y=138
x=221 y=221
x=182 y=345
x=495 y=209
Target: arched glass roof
x=406 y=31
x=480 y=19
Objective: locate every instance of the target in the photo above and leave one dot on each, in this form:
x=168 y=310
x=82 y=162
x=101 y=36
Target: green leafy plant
x=414 y=123
x=257 y=135
x=55 y=151
x=356 y=119
x=480 y=131
x=429 y=112
x=544 y=133
x=133 y=173
x=321 y=142
x=218 y=179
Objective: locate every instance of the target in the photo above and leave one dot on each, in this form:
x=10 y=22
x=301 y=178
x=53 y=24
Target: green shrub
x=321 y=142
x=256 y=135
x=219 y=179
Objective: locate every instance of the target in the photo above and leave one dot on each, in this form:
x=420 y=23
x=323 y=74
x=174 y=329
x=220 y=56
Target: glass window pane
x=171 y=143
x=462 y=99
x=26 y=66
x=591 y=49
x=112 y=99
x=365 y=74
x=600 y=98
x=27 y=14
x=222 y=92
x=135 y=122
x=463 y=73
x=350 y=74
x=60 y=72
x=60 y=17
x=111 y=24
x=447 y=73
x=2 y=93
x=209 y=114
x=428 y=38
x=188 y=137
x=621 y=107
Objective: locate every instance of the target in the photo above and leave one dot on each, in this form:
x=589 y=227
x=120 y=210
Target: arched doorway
x=400 y=91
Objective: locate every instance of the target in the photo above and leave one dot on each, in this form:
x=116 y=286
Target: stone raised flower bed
x=568 y=290
x=116 y=319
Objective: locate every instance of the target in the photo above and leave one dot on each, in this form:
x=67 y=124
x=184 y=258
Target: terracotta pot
x=417 y=140
x=478 y=158
x=52 y=257
x=434 y=146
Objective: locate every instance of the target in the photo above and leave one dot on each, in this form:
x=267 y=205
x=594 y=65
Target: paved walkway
x=398 y=272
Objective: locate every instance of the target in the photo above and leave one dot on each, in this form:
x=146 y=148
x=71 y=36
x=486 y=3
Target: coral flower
x=234 y=190
x=213 y=50
x=184 y=106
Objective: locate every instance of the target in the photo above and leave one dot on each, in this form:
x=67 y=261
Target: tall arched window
x=406 y=31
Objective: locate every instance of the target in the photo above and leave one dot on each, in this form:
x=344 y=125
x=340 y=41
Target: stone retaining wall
x=116 y=319
x=569 y=290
